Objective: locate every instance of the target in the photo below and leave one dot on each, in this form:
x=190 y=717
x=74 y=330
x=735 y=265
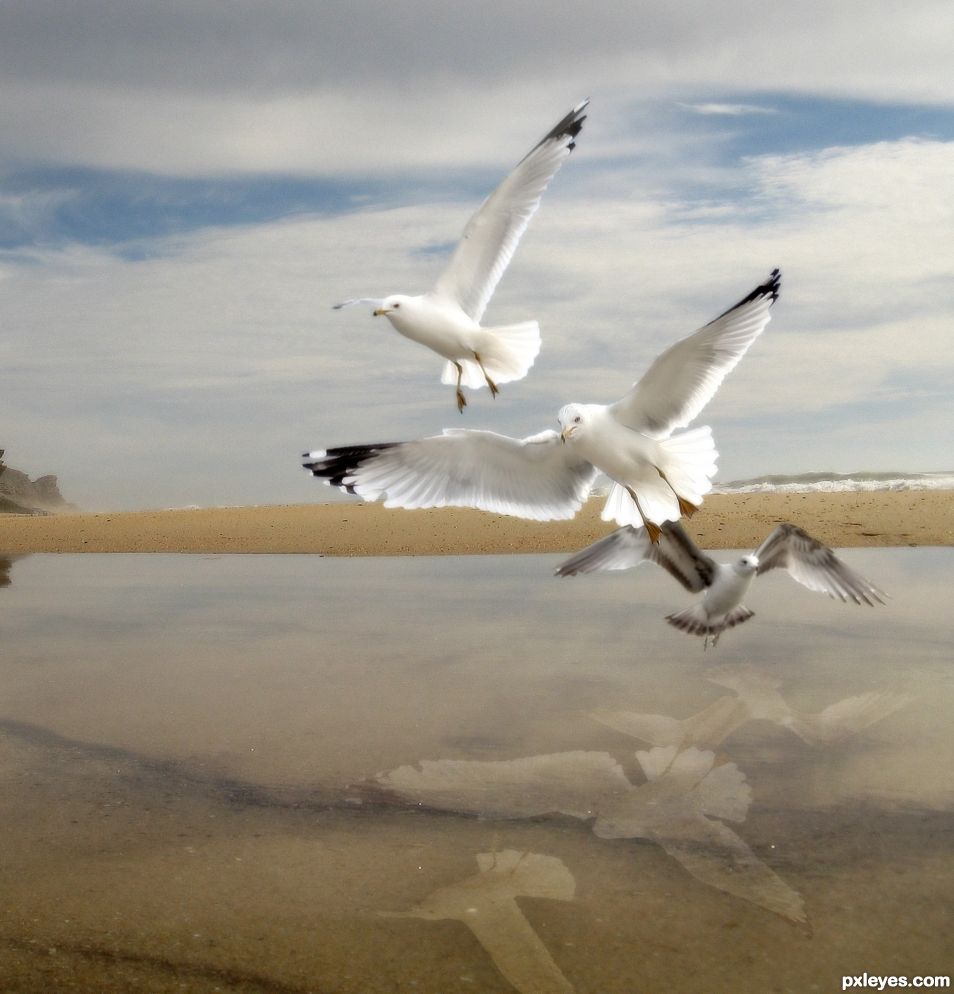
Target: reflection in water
x=6 y=564
x=180 y=740
x=486 y=903
x=682 y=807
x=757 y=698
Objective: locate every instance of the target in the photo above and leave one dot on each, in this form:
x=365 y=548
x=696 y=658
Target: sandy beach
x=879 y=518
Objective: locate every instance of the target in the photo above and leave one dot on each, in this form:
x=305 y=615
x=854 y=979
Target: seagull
x=446 y=319
x=725 y=584
x=549 y=475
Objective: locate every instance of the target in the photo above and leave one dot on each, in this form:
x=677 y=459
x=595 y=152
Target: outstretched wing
x=572 y=783
x=814 y=566
x=679 y=384
x=627 y=547
x=536 y=477
x=716 y=856
x=491 y=235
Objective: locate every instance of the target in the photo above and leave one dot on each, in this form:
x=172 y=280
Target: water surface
x=462 y=774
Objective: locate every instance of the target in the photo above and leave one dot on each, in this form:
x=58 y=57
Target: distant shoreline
x=841 y=519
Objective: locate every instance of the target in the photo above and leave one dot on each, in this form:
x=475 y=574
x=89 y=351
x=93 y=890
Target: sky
x=186 y=188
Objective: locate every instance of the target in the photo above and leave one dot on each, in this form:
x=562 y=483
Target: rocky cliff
x=21 y=495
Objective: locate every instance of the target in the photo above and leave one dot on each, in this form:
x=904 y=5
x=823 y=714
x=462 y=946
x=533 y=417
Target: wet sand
x=842 y=520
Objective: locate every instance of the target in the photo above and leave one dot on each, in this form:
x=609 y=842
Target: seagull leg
x=652 y=529
x=494 y=389
x=461 y=400
x=686 y=507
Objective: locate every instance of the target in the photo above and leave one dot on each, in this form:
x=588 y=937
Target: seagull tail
x=507 y=353
x=681 y=472
x=689 y=462
x=695 y=621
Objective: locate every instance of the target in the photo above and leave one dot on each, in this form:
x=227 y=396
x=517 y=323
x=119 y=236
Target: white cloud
x=727 y=110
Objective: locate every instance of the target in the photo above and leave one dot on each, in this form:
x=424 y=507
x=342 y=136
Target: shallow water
x=462 y=774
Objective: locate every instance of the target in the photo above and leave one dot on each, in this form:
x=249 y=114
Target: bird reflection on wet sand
x=756 y=698
x=487 y=904
x=682 y=806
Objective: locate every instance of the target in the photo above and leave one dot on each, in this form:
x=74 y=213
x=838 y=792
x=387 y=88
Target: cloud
x=727 y=110
x=215 y=88
x=198 y=371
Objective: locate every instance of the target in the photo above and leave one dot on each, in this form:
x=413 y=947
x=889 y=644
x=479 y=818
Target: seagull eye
x=577 y=420
x=396 y=306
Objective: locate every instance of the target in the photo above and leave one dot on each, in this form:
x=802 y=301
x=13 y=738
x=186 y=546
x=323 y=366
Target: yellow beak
x=381 y=310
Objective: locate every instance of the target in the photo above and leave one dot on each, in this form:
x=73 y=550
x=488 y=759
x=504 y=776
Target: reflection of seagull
x=758 y=699
x=788 y=547
x=657 y=477
x=759 y=693
x=447 y=317
x=486 y=904
x=6 y=564
x=679 y=807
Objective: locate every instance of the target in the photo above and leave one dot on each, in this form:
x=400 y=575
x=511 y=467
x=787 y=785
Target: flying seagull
x=725 y=584
x=446 y=319
x=549 y=475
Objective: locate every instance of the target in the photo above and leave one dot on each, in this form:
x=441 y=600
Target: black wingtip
x=770 y=288
x=568 y=127
x=336 y=466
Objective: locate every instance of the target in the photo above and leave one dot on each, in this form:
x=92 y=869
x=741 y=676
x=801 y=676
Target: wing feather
x=679 y=384
x=814 y=566
x=535 y=477
x=491 y=235
x=627 y=547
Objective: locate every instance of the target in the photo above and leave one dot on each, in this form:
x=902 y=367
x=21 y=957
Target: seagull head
x=393 y=306
x=572 y=420
x=747 y=565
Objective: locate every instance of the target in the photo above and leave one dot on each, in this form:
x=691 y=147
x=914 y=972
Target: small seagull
x=725 y=584
x=446 y=319
x=549 y=475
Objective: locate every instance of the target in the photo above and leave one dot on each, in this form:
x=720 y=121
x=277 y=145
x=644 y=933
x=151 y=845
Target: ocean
x=827 y=482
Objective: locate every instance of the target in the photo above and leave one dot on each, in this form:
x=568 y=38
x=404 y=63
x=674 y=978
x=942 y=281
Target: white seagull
x=447 y=317
x=725 y=584
x=548 y=476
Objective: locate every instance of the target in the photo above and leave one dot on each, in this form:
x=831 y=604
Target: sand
x=880 y=518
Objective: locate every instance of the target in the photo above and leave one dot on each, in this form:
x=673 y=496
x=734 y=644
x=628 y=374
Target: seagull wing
x=627 y=547
x=491 y=235
x=814 y=566
x=536 y=477
x=679 y=384
x=572 y=783
x=716 y=856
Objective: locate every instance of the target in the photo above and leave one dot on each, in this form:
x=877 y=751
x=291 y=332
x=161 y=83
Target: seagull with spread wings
x=725 y=584
x=446 y=319
x=657 y=476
